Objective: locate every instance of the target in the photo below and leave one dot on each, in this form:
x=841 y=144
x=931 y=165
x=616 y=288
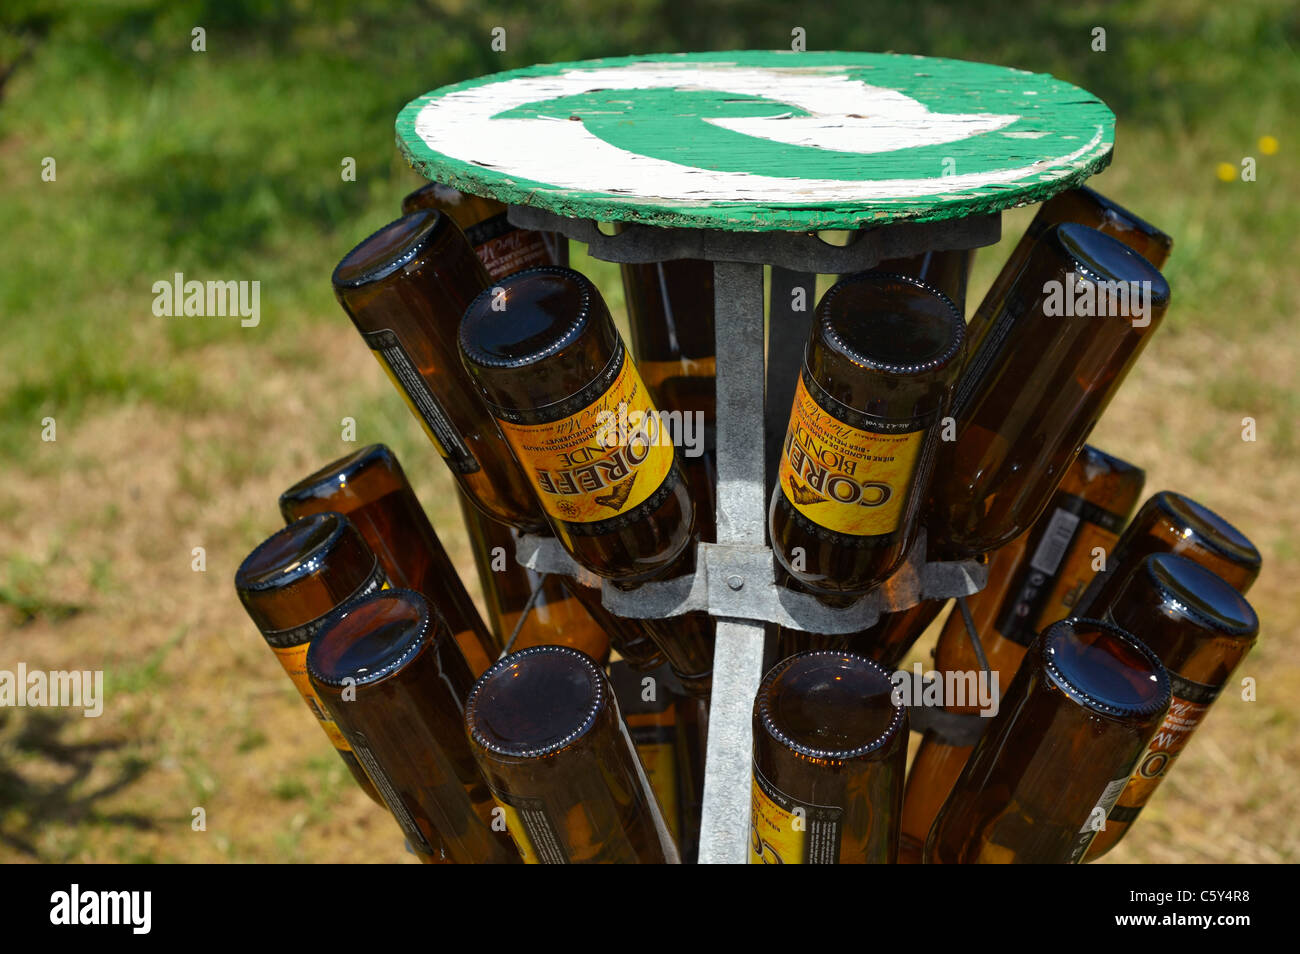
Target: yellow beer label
x=602 y=461
x=842 y=478
x=783 y=831
x=294 y=661
x=290 y=647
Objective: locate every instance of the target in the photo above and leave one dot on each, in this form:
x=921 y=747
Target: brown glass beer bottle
x=1071 y=328
x=547 y=360
x=830 y=746
x=545 y=356
x=291 y=583
x=1082 y=206
x=670 y=317
x=647 y=704
x=947 y=270
x=1201 y=628
x=555 y=617
x=876 y=379
x=405 y=288
x=1033 y=581
x=546 y=731
x=502 y=248
x=1070 y=729
x=1081 y=524
x=370 y=488
x=387 y=673
x=1172 y=523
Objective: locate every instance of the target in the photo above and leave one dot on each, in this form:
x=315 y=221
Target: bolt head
x=735 y=582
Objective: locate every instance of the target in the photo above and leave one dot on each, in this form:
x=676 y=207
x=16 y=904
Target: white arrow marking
x=850 y=116
x=563 y=153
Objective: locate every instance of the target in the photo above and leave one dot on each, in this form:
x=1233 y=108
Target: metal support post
x=742 y=512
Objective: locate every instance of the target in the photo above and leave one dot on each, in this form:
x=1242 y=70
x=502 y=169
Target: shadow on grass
x=43 y=780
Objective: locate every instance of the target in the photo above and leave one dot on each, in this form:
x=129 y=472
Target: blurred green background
x=177 y=433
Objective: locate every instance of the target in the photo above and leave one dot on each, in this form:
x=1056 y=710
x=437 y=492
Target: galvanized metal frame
x=734 y=579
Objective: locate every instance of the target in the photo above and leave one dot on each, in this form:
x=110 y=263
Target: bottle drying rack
x=878 y=120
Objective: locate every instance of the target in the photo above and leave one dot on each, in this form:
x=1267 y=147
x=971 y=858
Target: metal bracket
x=738 y=581
x=796 y=251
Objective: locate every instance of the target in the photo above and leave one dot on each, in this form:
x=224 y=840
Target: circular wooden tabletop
x=760 y=141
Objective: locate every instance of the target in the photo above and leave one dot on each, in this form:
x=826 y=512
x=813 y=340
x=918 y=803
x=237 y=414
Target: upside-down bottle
x=858 y=453
x=547 y=733
x=385 y=670
x=1201 y=628
x=1070 y=329
x=289 y=586
x=1082 y=206
x=505 y=249
x=405 y=288
x=370 y=488
x=1070 y=729
x=830 y=746
x=546 y=359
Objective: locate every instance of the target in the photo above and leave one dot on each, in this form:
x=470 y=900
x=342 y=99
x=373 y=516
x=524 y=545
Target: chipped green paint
x=749 y=141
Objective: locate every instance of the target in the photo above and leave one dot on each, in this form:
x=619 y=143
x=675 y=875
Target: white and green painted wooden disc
x=759 y=141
